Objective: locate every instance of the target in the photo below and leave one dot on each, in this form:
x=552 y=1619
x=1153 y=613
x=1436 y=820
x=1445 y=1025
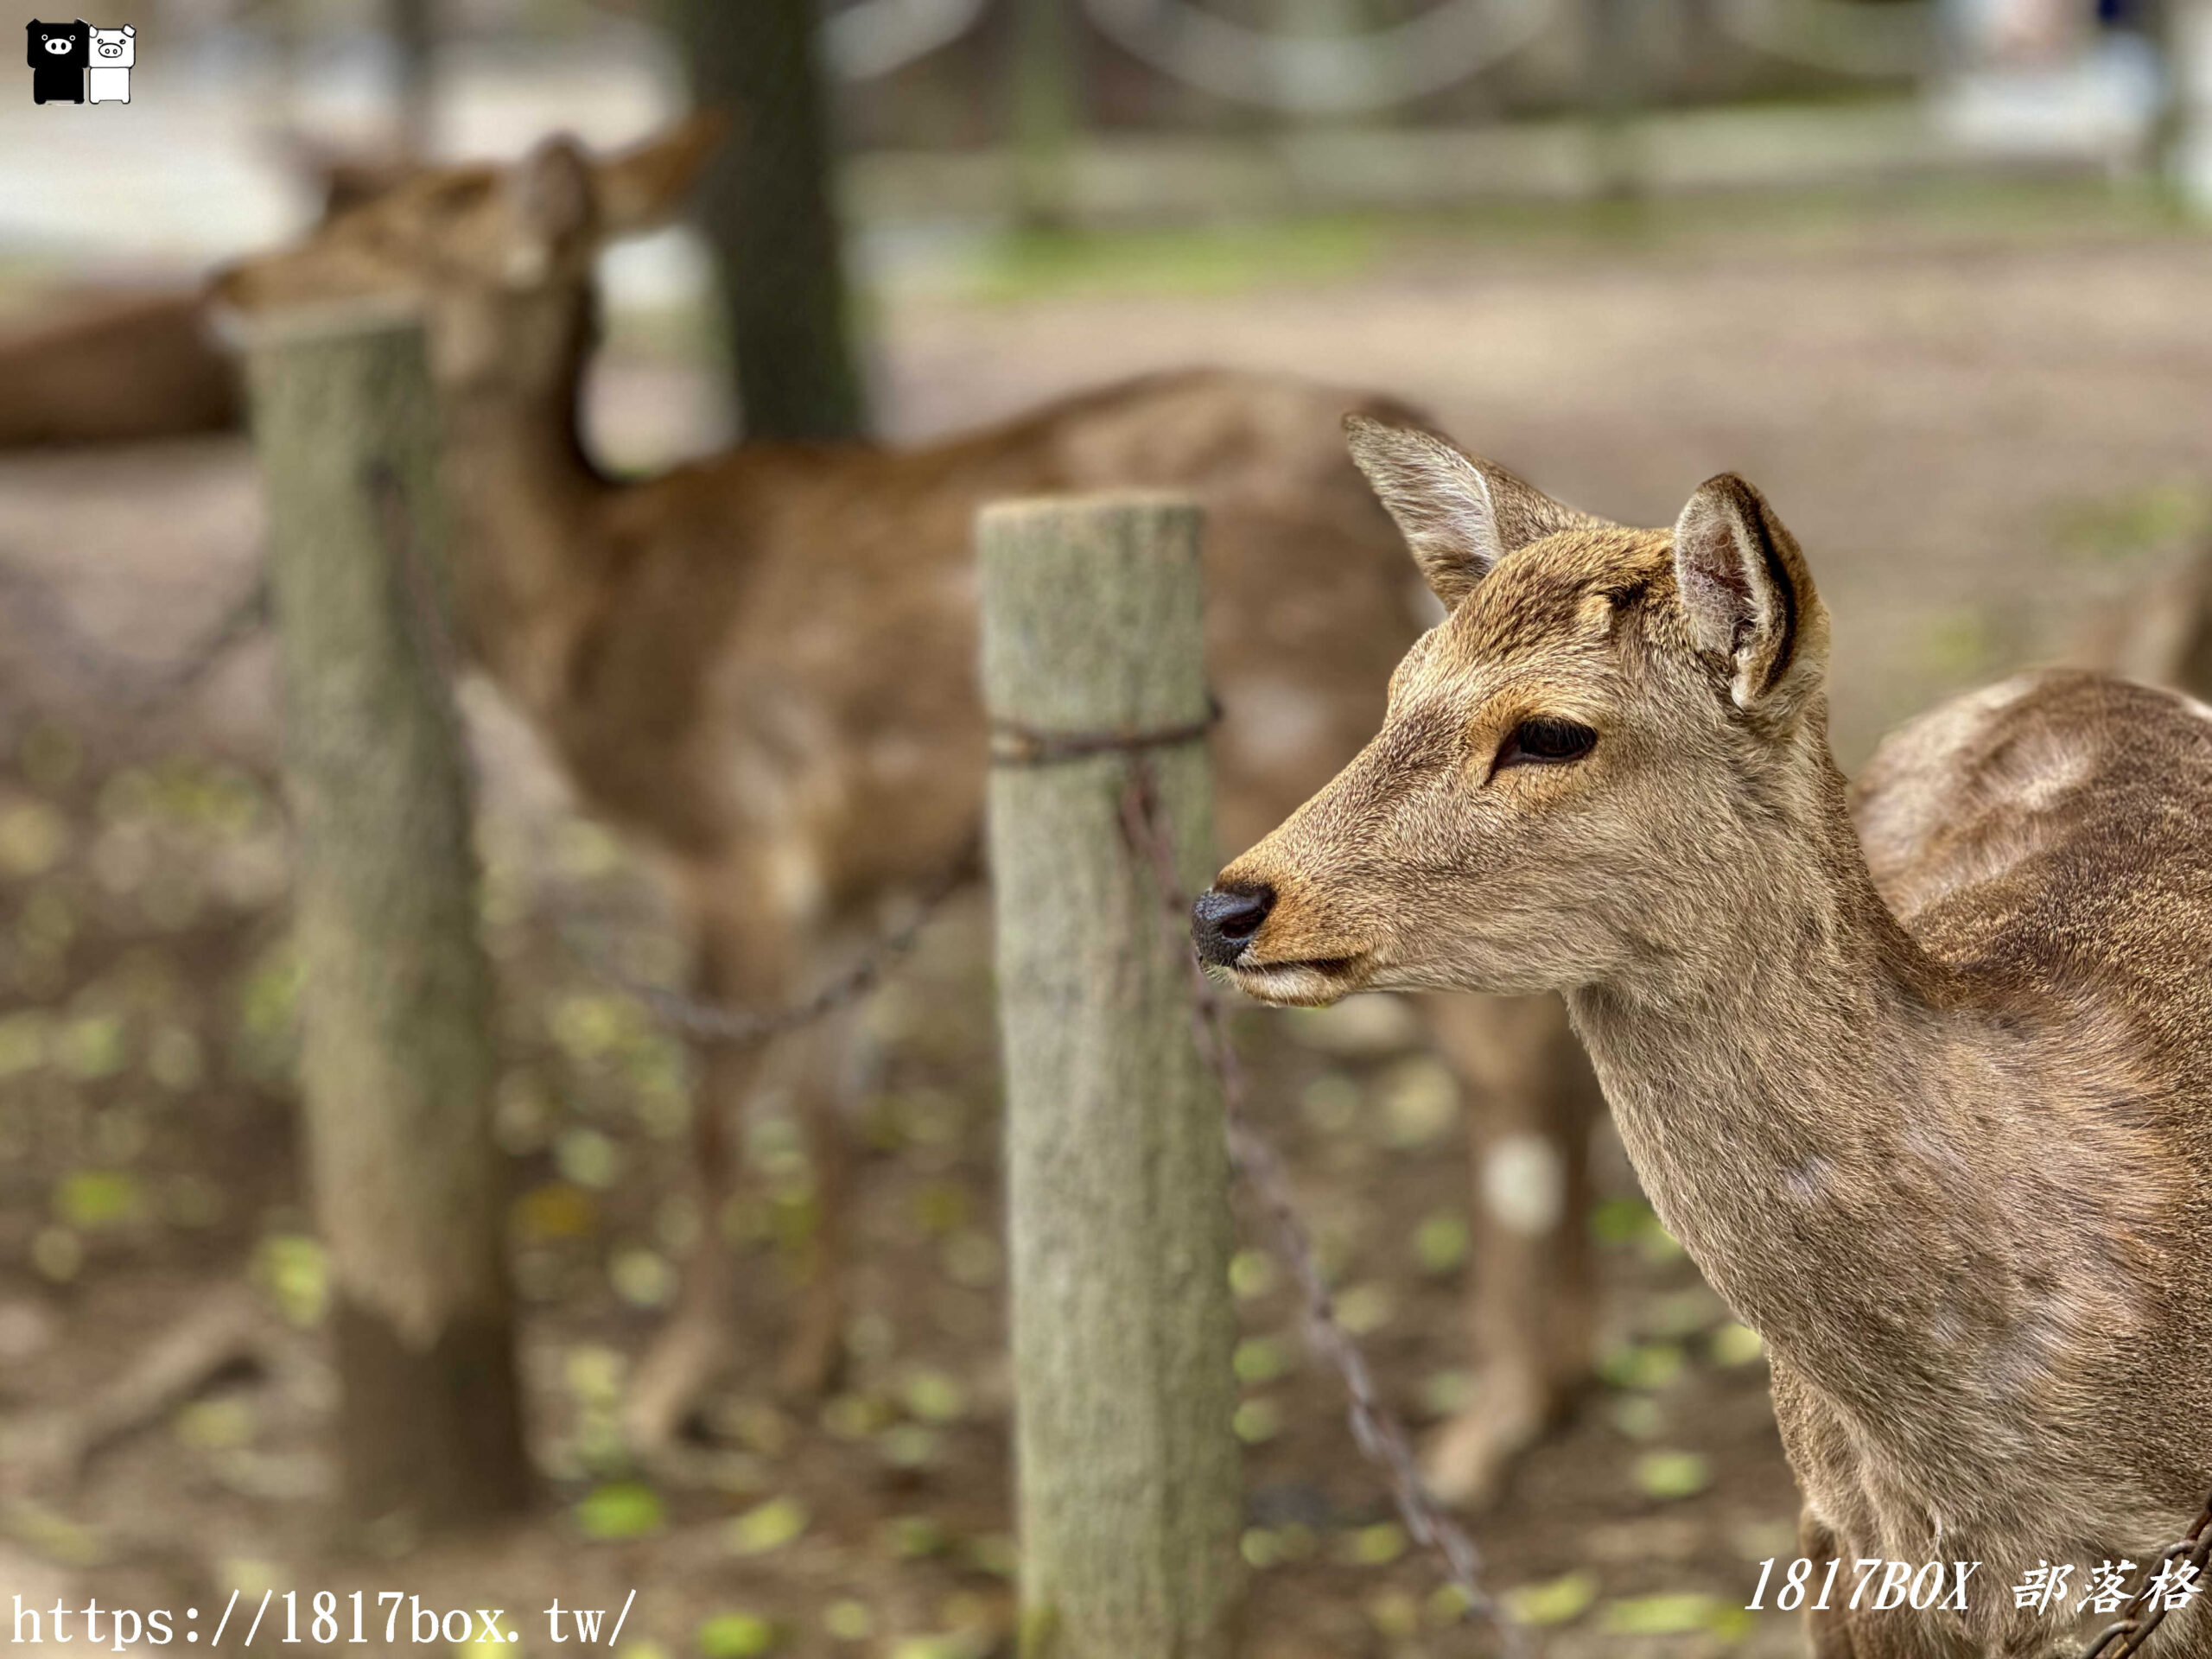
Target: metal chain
x=2133 y=1630
x=1340 y=74
x=128 y=685
x=1836 y=35
x=1013 y=744
x=1381 y=1437
x=873 y=38
x=721 y=1024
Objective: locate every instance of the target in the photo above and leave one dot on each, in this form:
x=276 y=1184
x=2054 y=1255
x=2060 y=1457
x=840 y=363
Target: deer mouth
x=1308 y=983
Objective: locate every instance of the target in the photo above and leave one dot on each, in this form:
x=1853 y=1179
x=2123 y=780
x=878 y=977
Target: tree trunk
x=767 y=204
x=395 y=1001
x=1042 y=113
x=413 y=27
x=1116 y=1172
x=1614 y=96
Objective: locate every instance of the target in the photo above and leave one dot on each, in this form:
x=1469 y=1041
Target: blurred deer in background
x=764 y=666
x=108 y=367
x=100 y=365
x=1928 y=1094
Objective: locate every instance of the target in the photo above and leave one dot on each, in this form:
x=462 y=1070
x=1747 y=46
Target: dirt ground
x=1987 y=422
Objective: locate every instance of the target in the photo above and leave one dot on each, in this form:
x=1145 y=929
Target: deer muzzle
x=1226 y=919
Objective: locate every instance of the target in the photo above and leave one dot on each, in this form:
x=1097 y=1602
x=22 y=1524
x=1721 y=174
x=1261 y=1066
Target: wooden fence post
x=1131 y=1493
x=395 y=1001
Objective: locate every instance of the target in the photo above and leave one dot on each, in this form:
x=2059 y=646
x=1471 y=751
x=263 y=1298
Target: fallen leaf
x=1673 y=1474
x=1554 y=1601
x=767 y=1526
x=618 y=1509
x=738 y=1636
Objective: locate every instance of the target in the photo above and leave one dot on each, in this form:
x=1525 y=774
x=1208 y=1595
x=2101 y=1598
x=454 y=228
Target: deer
x=1920 y=1076
x=103 y=365
x=115 y=367
x=761 y=667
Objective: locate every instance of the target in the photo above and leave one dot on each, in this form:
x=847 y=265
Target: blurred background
x=1932 y=273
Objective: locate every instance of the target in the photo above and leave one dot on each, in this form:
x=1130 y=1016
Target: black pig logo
x=59 y=54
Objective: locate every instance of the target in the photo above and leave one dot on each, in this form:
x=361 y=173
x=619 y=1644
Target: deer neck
x=1810 y=1104
x=529 y=565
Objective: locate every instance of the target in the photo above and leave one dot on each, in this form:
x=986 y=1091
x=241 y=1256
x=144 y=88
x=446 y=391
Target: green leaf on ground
x=1673 y=1474
x=1663 y=1615
x=1645 y=1365
x=292 y=1267
x=738 y=1636
x=1736 y=1344
x=91 y=1198
x=1441 y=1242
x=849 y=1620
x=618 y=1509
x=1257 y=1421
x=768 y=1526
x=1376 y=1546
x=1554 y=1601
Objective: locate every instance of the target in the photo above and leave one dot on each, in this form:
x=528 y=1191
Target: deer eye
x=1546 y=740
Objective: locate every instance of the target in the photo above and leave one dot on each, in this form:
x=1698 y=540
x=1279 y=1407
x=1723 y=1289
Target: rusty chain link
x=1013 y=744
x=128 y=685
x=2132 y=1629
x=703 y=1020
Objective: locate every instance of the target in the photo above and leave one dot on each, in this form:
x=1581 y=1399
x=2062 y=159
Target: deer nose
x=1225 y=919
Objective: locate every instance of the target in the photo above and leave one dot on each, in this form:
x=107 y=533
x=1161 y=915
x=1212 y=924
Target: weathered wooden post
x=1116 y=1172
x=395 y=999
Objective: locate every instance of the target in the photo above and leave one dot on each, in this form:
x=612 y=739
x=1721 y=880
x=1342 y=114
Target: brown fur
x=765 y=664
x=112 y=368
x=1935 y=1116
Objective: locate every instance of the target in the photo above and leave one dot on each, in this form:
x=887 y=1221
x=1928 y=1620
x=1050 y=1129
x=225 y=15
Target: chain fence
x=1841 y=37
x=123 y=688
x=1361 y=74
x=873 y=38
x=1376 y=1430
x=2147 y=1609
x=1371 y=70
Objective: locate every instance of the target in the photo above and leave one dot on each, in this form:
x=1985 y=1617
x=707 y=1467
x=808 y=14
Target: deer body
x=764 y=665
x=770 y=656
x=1956 y=1167
x=1932 y=1110
x=112 y=368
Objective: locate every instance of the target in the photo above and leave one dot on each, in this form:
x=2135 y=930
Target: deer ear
x=552 y=188
x=1459 y=516
x=1748 y=592
x=646 y=187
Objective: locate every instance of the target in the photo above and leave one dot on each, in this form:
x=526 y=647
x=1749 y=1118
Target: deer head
x=499 y=259
x=1580 y=768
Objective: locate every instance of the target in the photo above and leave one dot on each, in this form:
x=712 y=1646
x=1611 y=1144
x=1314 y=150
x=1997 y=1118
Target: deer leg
x=814 y=1352
x=1532 y=1099
x=741 y=960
